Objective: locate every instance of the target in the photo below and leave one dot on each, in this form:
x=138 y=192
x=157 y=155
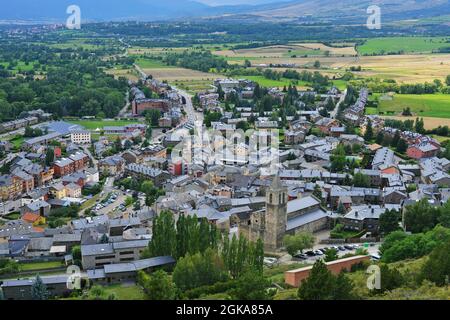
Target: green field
x=426 y=105
x=126 y=292
x=273 y=83
x=145 y=63
x=381 y=46
x=94 y=124
x=40 y=265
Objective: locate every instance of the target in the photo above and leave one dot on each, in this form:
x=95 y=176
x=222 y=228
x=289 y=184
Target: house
x=127 y=271
x=80 y=137
x=113 y=165
x=373 y=175
x=157 y=176
x=21 y=289
x=27 y=180
x=421 y=151
x=39 y=207
x=139 y=106
x=97 y=255
x=10 y=187
x=58 y=191
x=364 y=217
x=73 y=190
x=294 y=137
x=383 y=156
x=63 y=167
x=33 y=218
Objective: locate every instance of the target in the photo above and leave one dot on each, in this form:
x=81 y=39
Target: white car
x=268 y=261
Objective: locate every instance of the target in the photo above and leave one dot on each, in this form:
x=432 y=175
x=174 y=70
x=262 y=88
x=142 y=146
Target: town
x=219 y=158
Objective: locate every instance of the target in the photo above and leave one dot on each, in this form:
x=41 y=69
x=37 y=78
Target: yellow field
x=402 y=68
x=172 y=74
x=348 y=50
x=429 y=123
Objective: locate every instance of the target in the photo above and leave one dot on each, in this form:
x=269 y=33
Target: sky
x=234 y=2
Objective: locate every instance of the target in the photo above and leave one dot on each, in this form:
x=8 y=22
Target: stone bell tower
x=276 y=215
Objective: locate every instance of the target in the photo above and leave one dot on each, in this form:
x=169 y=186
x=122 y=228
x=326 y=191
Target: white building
x=80 y=137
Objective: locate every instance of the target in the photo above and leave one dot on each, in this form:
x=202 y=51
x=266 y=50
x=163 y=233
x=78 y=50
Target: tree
x=76 y=255
x=380 y=137
x=343 y=288
x=158 y=285
x=447 y=80
x=39 y=289
x=331 y=255
x=420 y=216
x=251 y=286
x=388 y=221
x=317 y=64
x=402 y=146
x=198 y=270
x=298 y=242
x=104 y=238
x=164 y=236
x=319 y=285
x=391 y=278
x=341 y=208
x=317 y=192
x=437 y=267
x=395 y=139
x=361 y=180
x=368 y=135
x=49 y=156
x=419 y=126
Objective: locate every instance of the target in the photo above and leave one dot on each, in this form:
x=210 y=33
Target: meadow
x=380 y=46
x=426 y=105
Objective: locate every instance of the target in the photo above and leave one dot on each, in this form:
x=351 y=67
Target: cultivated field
x=429 y=123
x=285 y=51
x=172 y=74
x=130 y=74
x=426 y=105
x=403 y=44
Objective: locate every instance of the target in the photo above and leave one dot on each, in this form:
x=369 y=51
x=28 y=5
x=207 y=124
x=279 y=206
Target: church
x=281 y=217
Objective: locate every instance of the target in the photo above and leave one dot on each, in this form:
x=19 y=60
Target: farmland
x=380 y=46
x=427 y=105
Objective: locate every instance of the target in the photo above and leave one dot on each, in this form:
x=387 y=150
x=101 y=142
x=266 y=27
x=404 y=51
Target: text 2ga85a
x=234 y=309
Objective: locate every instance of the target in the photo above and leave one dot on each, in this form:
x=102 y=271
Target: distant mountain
x=55 y=10
x=275 y=10
x=340 y=9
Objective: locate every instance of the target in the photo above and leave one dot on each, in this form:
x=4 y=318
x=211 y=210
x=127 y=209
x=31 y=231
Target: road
x=334 y=112
x=124 y=113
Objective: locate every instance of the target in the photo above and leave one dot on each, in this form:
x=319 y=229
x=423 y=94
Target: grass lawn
x=12 y=216
x=371 y=111
x=17 y=141
x=426 y=105
x=404 y=44
x=126 y=292
x=94 y=124
x=40 y=265
x=340 y=84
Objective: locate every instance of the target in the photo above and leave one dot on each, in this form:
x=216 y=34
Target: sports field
x=99 y=124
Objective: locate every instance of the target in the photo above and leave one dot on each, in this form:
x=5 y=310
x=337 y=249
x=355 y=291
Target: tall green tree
x=39 y=289
x=368 y=135
x=158 y=285
x=319 y=285
x=298 y=242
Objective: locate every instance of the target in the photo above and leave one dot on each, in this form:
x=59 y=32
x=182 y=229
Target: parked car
x=375 y=257
x=301 y=256
x=341 y=248
x=348 y=247
x=318 y=252
x=310 y=253
x=269 y=261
